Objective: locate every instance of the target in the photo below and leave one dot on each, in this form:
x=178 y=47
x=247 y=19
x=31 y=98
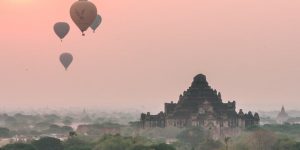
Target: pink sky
x=147 y=52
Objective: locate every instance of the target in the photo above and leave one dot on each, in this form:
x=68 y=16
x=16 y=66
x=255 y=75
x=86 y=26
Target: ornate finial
x=200 y=77
x=241 y=113
x=200 y=81
x=250 y=114
x=219 y=95
x=282 y=109
x=256 y=116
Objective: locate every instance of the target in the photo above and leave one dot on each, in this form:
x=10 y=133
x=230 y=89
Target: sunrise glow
x=20 y=1
x=150 y=75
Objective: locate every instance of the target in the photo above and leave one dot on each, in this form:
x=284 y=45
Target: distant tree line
x=107 y=142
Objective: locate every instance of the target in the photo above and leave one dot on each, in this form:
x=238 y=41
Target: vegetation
x=118 y=142
x=48 y=143
x=193 y=136
x=107 y=142
x=97 y=133
x=289 y=129
x=4 y=132
x=77 y=143
x=19 y=146
x=268 y=137
x=188 y=139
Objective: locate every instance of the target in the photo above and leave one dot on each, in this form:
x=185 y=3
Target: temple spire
x=282 y=109
x=282 y=113
x=200 y=81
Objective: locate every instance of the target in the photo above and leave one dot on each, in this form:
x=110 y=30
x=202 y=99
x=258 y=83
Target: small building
x=282 y=116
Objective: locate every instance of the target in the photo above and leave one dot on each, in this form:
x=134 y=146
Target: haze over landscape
x=147 y=53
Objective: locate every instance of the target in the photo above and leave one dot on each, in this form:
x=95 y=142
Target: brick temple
x=201 y=105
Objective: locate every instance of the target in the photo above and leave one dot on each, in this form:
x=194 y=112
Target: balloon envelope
x=61 y=29
x=83 y=13
x=96 y=23
x=66 y=59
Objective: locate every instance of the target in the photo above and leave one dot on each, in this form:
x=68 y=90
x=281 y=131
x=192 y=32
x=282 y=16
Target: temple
x=282 y=116
x=200 y=105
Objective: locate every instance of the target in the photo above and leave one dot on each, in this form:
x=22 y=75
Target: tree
x=54 y=129
x=67 y=120
x=286 y=144
x=72 y=134
x=241 y=146
x=19 y=146
x=4 y=132
x=11 y=121
x=263 y=140
x=210 y=144
x=297 y=146
x=226 y=140
x=57 y=129
x=141 y=147
x=48 y=143
x=163 y=147
x=116 y=142
x=193 y=136
x=77 y=143
x=66 y=129
x=52 y=118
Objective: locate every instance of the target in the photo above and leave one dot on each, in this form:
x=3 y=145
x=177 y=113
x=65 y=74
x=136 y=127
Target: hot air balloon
x=61 y=29
x=96 y=23
x=66 y=59
x=83 y=13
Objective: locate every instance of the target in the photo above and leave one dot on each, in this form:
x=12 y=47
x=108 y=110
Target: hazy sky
x=147 y=52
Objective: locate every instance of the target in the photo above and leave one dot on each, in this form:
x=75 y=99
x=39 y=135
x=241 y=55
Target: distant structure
x=282 y=116
x=200 y=105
